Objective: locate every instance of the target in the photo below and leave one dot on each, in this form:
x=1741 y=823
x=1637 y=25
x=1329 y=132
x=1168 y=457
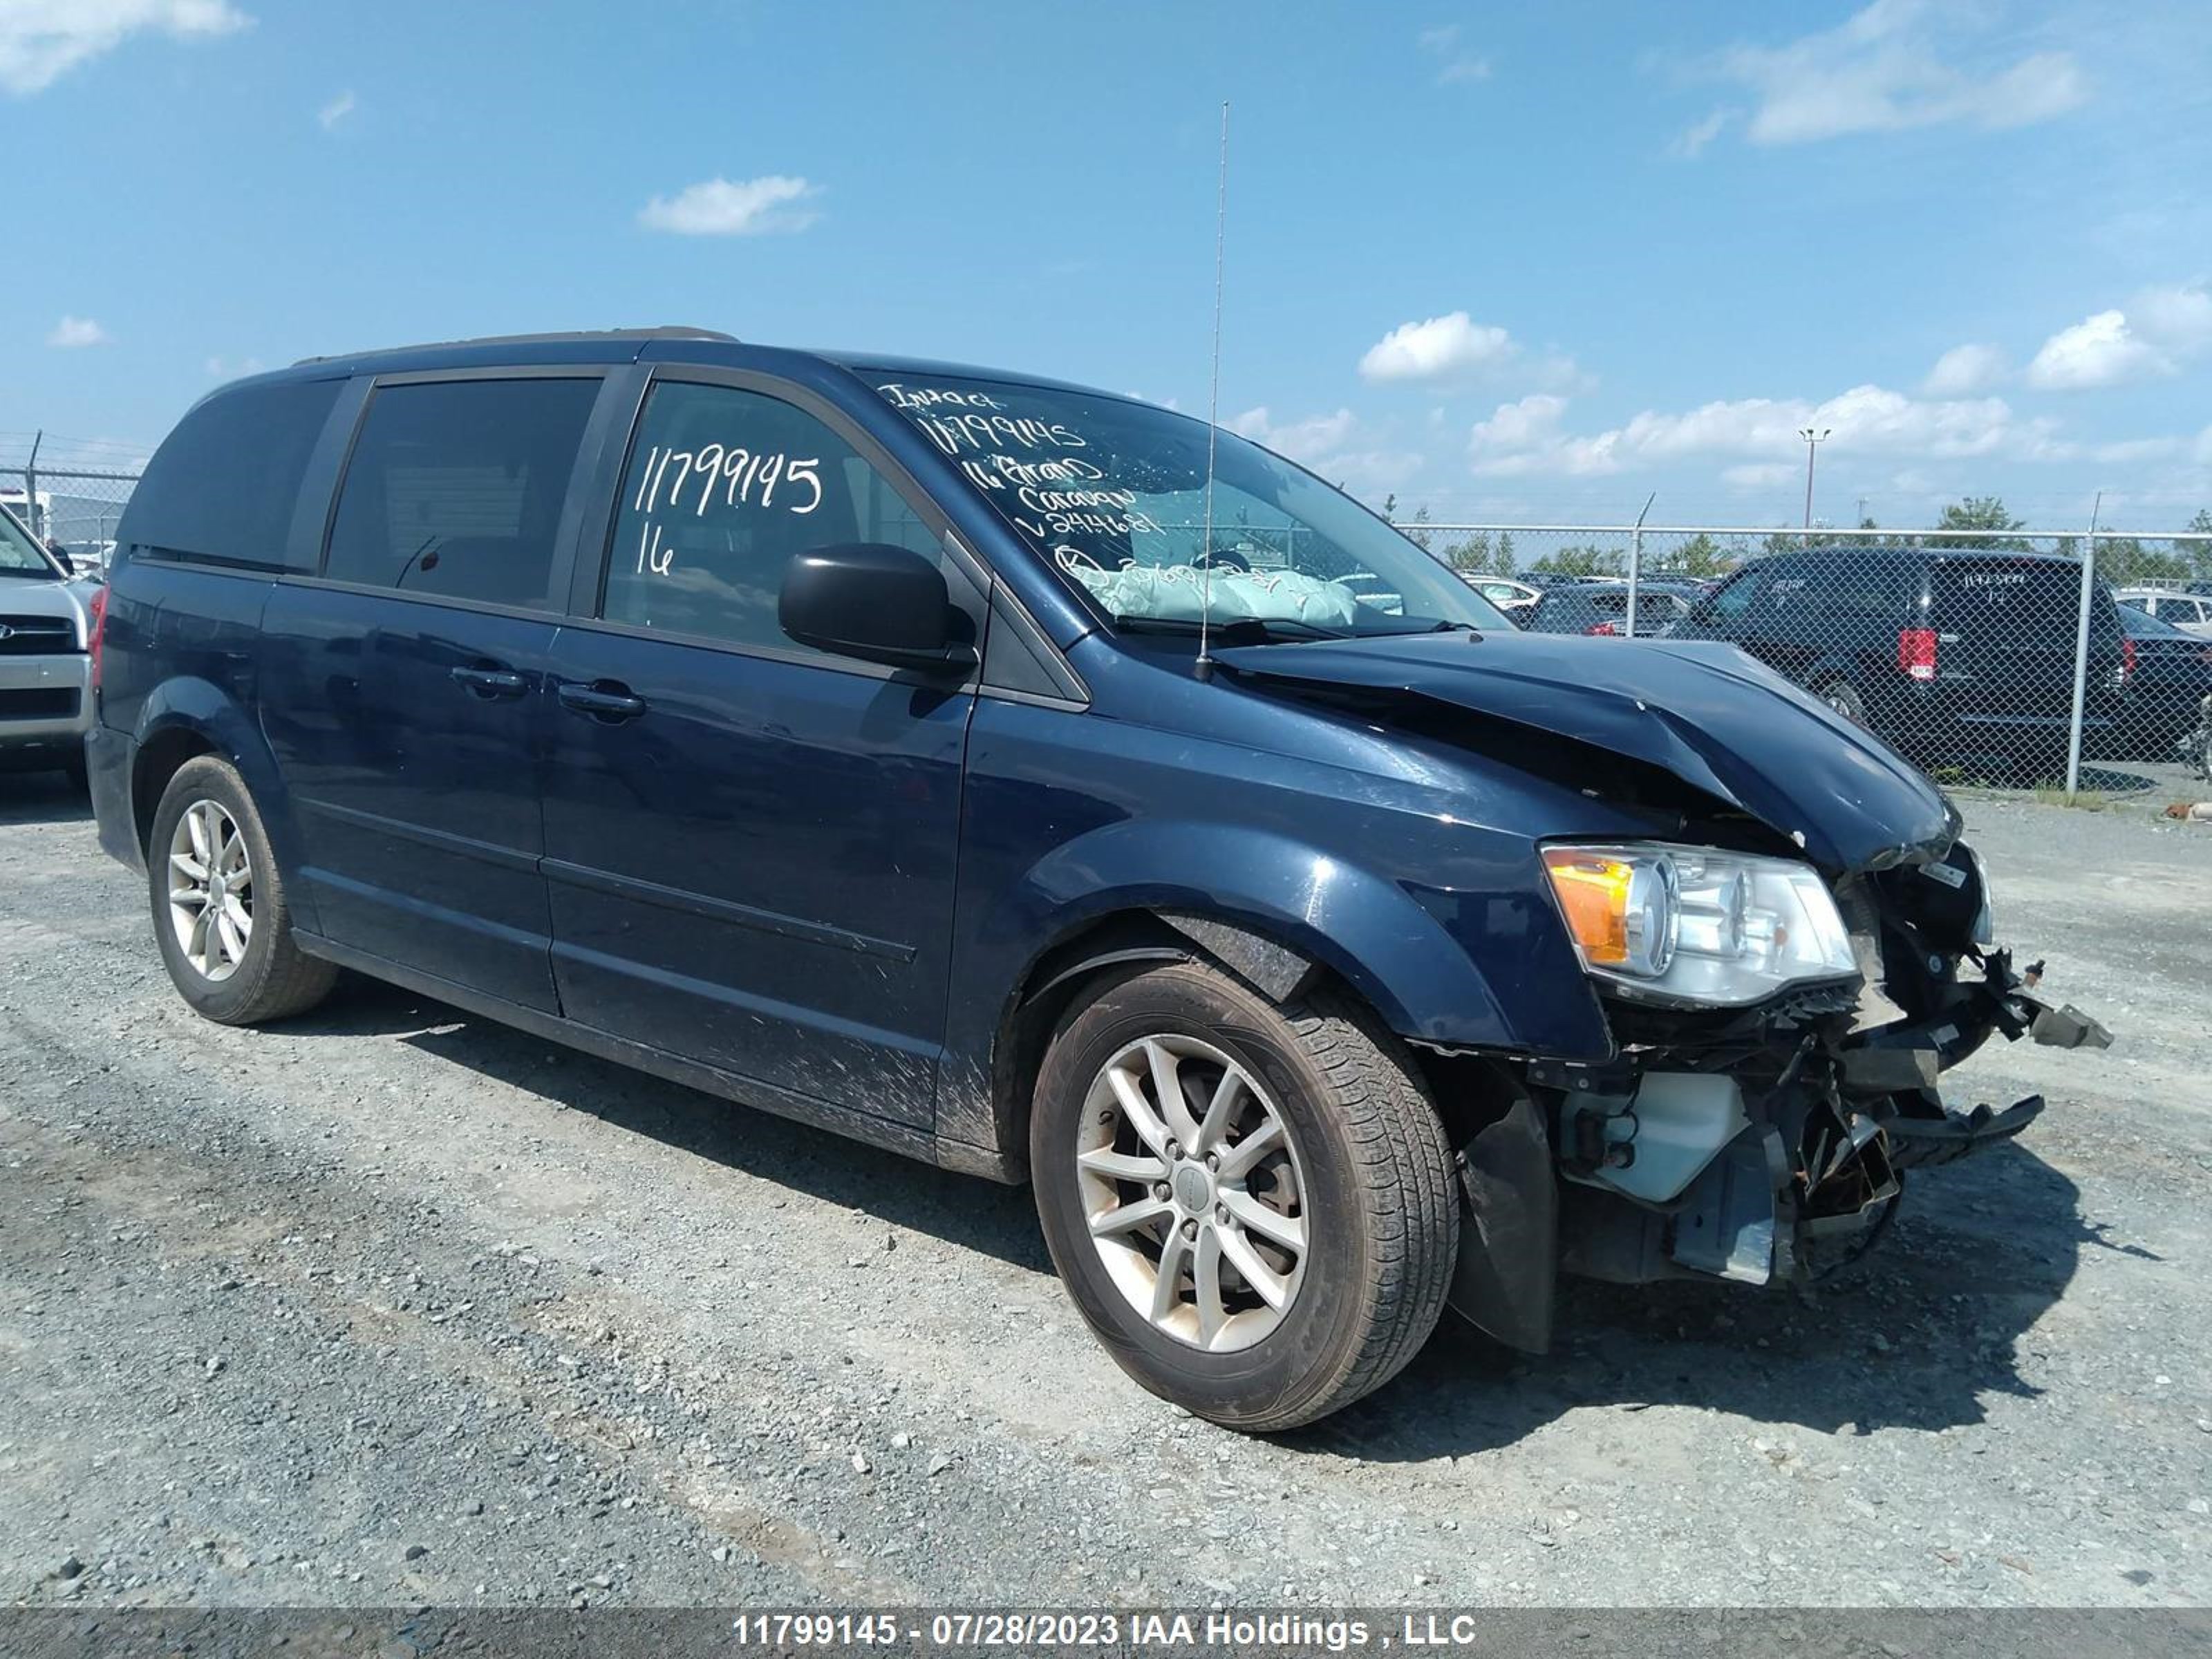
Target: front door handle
x=489 y=683
x=603 y=700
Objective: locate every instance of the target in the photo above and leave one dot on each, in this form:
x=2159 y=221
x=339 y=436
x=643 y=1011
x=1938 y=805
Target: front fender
x=1373 y=933
x=1487 y=967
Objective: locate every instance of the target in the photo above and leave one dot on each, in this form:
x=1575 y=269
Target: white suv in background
x=45 y=677
x=2189 y=613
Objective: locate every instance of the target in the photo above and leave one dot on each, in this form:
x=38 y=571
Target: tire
x=1363 y=1176
x=268 y=977
x=1843 y=697
x=73 y=768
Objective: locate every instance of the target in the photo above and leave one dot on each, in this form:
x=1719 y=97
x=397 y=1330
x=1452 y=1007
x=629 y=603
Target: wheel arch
x=185 y=718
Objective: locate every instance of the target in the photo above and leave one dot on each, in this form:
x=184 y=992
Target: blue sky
x=1510 y=262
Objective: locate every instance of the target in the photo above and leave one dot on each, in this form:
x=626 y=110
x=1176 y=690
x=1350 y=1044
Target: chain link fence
x=72 y=507
x=2001 y=656
x=2014 y=658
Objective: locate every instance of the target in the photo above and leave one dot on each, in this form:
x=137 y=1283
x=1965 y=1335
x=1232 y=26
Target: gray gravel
x=394 y=1305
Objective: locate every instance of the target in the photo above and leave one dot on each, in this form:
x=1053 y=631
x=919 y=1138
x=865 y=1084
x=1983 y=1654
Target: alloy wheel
x=1192 y=1193
x=210 y=889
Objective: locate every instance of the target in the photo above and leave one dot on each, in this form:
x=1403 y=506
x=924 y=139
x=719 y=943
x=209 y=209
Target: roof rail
x=673 y=332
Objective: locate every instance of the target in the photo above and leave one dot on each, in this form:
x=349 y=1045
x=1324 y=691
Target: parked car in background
x=2190 y=612
x=832 y=733
x=2173 y=676
x=45 y=620
x=1953 y=655
x=1601 y=609
x=1516 y=598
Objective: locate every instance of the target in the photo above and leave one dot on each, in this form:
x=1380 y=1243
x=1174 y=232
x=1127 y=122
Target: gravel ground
x=395 y=1305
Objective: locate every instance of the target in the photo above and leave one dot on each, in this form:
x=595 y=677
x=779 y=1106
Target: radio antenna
x=1204 y=666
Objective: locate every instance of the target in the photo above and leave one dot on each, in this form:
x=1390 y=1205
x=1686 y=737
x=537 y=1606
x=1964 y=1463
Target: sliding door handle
x=488 y=683
x=603 y=700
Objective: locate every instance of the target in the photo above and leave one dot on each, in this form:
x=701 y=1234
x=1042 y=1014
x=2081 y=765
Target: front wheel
x=1252 y=1206
x=218 y=900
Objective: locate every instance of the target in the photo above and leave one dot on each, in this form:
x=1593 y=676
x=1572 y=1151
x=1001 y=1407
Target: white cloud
x=1884 y=70
x=1524 y=437
x=2098 y=351
x=1758 y=475
x=1965 y=370
x=1334 y=445
x=2179 y=320
x=1454 y=65
x=1691 y=142
x=74 y=331
x=1454 y=349
x=719 y=206
x=1449 y=347
x=1303 y=442
x=1529 y=436
x=337 y=110
x=2160 y=329
x=41 y=40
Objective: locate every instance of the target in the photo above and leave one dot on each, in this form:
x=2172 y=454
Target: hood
x=1712 y=716
x=42 y=596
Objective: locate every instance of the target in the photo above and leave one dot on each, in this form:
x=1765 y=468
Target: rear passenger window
x=1735 y=599
x=724 y=488
x=455 y=488
x=222 y=486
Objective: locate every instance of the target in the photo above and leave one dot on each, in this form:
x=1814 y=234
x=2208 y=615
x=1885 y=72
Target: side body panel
x=756 y=873
x=414 y=792
x=1400 y=865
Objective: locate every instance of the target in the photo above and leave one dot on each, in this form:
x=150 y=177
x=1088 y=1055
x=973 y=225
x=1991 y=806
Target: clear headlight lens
x=1688 y=924
x=1986 y=929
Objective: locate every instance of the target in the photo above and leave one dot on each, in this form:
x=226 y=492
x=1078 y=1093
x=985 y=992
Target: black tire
x=74 y=769
x=274 y=978
x=1843 y=697
x=1379 y=1202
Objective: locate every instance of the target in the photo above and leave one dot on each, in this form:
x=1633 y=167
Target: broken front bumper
x=1779 y=1160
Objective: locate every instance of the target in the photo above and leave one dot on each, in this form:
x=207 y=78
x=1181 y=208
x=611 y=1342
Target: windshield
x=19 y=554
x=1114 y=494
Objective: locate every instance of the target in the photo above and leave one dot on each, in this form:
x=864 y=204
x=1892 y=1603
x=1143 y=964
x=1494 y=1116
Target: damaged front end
x=1767 y=1144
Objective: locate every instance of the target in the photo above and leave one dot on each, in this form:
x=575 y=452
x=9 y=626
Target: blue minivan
x=1041 y=784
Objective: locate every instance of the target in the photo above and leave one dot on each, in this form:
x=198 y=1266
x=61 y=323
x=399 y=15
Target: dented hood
x=1712 y=716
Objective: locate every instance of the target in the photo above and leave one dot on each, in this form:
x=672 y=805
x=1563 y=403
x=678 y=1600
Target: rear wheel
x=1843 y=697
x=1251 y=1206
x=218 y=900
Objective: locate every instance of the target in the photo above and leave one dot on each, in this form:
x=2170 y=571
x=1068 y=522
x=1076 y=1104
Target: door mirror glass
x=875 y=601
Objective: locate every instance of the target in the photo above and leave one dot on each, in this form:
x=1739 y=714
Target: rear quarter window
x=221 y=488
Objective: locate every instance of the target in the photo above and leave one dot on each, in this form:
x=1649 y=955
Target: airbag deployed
x=1178 y=592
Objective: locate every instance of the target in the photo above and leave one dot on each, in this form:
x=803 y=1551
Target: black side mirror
x=875 y=601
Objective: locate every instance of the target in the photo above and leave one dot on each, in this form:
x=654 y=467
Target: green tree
x=1582 y=561
x=2198 y=554
x=1969 y=524
x=1471 y=554
x=1700 y=555
x=2124 y=562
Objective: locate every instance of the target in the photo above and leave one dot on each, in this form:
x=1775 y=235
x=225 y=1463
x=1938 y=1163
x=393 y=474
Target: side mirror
x=875 y=601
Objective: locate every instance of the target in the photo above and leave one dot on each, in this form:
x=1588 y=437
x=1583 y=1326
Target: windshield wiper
x=1240 y=630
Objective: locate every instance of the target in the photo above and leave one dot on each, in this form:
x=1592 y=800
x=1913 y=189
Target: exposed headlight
x=1687 y=924
x=1986 y=928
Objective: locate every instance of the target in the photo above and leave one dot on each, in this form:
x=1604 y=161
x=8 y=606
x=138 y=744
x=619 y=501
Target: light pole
x=1813 y=442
